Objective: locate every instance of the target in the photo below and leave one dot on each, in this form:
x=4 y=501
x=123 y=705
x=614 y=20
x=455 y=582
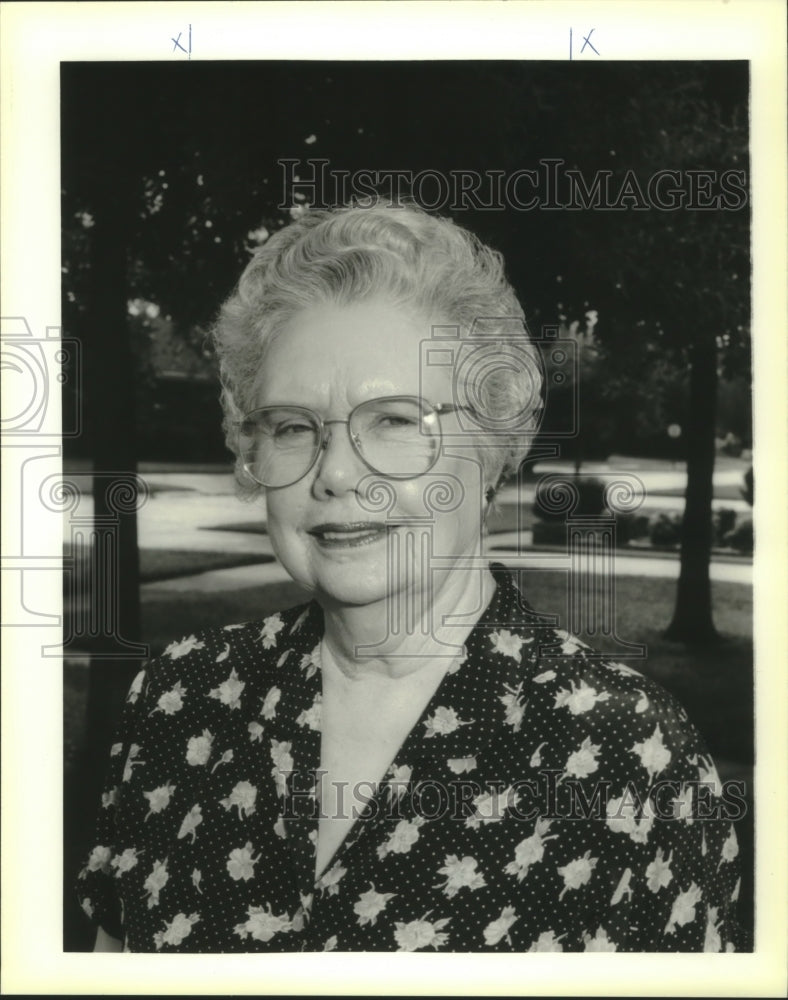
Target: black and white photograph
x=400 y=425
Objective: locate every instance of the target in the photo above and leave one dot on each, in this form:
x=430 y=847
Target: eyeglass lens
x=395 y=436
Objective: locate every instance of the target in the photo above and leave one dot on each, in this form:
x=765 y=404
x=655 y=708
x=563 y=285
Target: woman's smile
x=347 y=536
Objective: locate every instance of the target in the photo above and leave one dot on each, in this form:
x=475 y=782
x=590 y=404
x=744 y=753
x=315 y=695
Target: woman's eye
x=292 y=430
x=395 y=421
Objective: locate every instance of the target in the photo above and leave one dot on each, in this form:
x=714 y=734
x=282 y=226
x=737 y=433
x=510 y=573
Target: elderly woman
x=412 y=760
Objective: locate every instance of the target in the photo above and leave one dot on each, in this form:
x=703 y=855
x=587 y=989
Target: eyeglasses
x=395 y=436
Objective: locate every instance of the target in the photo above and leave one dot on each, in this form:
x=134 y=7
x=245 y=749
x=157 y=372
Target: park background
x=170 y=180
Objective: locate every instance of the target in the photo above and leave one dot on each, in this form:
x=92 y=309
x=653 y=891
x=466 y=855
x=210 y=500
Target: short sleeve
x=97 y=880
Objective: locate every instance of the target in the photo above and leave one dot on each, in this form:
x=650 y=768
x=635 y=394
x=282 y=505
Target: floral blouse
x=547 y=800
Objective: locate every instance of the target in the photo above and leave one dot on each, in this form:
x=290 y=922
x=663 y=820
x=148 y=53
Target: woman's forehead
x=361 y=350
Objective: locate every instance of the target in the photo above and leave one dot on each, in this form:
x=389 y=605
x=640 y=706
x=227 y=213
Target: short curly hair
x=409 y=258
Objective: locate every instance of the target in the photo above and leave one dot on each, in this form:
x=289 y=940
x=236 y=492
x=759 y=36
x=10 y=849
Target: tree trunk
x=692 y=618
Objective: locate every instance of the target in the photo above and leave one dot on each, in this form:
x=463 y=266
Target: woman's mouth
x=333 y=535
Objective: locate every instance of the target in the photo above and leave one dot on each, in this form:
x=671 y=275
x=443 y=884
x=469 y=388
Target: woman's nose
x=339 y=468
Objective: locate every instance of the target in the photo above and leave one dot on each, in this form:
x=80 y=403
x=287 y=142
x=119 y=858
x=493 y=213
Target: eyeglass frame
x=438 y=408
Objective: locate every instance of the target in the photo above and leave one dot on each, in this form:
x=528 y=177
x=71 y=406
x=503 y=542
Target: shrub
x=629 y=526
x=748 y=490
x=723 y=523
x=591 y=499
x=665 y=530
x=549 y=533
x=742 y=536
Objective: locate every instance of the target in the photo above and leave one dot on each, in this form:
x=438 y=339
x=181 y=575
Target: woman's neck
x=391 y=639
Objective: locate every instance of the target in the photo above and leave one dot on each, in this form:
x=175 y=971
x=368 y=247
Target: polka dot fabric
x=547 y=800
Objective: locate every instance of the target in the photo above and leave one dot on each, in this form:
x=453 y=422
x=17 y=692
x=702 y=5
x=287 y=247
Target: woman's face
x=330 y=359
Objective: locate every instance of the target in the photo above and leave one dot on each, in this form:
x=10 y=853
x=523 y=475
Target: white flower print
x=329 y=881
x=507 y=643
x=136 y=687
x=658 y=873
x=712 y=941
x=622 y=817
x=515 y=706
x=461 y=765
x=155 y=882
x=283 y=658
x=229 y=691
x=331 y=943
x=224 y=654
x=420 y=934
x=176 y=930
x=444 y=721
x=272 y=626
x=625 y=671
x=241 y=864
x=225 y=758
x=99 y=860
x=682 y=805
x=730 y=848
x=115 y=749
x=263 y=924
x=159 y=798
x=196 y=879
x=124 y=862
x=736 y=890
x=498 y=929
x=370 y=905
x=283 y=764
x=569 y=643
x=707 y=775
x=545 y=676
x=171 y=701
x=402 y=838
x=460 y=874
x=271 y=700
x=531 y=850
x=310 y=662
x=599 y=942
x=176 y=650
x=131 y=761
x=642 y=703
x=536 y=756
x=299 y=622
x=110 y=798
x=279 y=828
x=579 y=698
x=243 y=797
x=577 y=872
x=622 y=889
x=547 y=941
x=232 y=628
x=311 y=716
x=255 y=731
x=198 y=749
x=87 y=906
x=457 y=662
x=683 y=910
x=491 y=807
x=653 y=753
x=398 y=781
x=583 y=761
x=191 y=821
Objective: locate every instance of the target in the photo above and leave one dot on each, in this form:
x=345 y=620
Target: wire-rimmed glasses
x=395 y=436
